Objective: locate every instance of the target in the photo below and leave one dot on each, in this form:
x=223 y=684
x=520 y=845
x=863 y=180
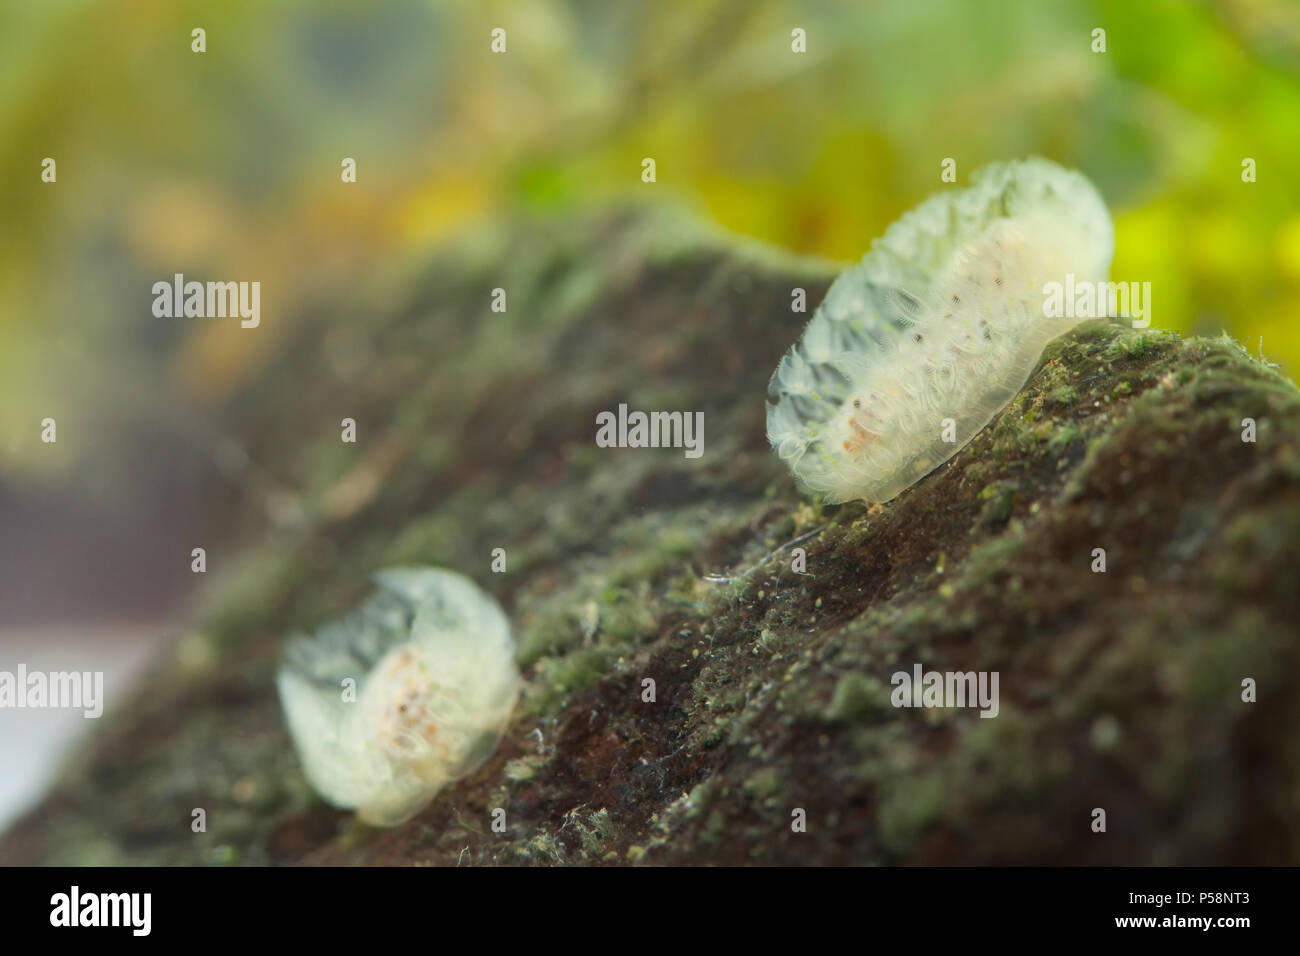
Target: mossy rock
x=1120 y=690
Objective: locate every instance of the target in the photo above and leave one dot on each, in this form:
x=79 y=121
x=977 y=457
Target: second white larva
x=432 y=684
x=942 y=319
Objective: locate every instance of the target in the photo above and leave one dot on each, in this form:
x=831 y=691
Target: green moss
x=652 y=559
x=910 y=807
x=1063 y=437
x=772 y=686
x=597 y=831
x=557 y=678
x=715 y=830
x=764 y=785
x=1062 y=395
x=552 y=634
x=858 y=696
x=1134 y=343
x=997 y=500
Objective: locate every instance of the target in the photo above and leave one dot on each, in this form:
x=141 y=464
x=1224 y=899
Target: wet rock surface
x=1119 y=690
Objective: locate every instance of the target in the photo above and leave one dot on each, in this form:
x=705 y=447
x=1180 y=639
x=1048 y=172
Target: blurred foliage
x=226 y=164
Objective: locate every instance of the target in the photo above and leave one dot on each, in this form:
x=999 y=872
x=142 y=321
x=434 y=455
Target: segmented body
x=434 y=681
x=916 y=348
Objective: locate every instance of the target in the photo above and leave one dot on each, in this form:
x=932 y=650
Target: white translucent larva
x=435 y=682
x=942 y=319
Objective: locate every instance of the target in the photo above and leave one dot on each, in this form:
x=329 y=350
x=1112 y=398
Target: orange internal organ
x=858 y=435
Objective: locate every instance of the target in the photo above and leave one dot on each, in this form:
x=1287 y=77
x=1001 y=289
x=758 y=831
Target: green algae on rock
x=1120 y=690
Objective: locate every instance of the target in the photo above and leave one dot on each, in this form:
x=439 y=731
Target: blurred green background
x=226 y=164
